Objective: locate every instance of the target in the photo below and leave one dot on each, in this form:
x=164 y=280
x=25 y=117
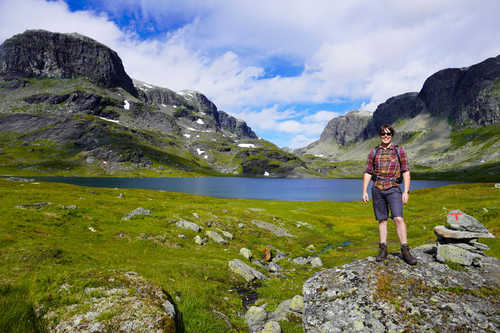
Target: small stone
x=200 y=241
x=196 y=215
x=297 y=303
x=181 y=236
x=316 y=262
x=274 y=267
x=246 y=253
x=241 y=225
x=272 y=327
x=311 y=248
x=92 y=229
x=70 y=207
x=300 y=261
x=226 y=234
x=497 y=185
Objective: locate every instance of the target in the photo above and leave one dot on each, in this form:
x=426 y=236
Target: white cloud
x=350 y=49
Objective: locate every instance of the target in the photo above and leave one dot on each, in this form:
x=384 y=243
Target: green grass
x=42 y=249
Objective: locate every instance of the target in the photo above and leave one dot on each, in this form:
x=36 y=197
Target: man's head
x=386 y=132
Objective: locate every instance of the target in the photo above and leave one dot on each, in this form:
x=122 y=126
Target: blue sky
x=286 y=67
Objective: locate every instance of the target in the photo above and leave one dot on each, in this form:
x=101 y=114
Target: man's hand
x=365 y=197
x=405 y=198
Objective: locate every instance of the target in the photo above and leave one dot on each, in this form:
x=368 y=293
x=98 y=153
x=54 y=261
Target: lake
x=245 y=188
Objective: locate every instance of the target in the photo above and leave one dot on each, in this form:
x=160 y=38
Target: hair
x=382 y=129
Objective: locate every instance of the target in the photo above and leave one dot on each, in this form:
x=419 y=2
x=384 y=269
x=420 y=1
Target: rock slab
x=366 y=296
x=248 y=273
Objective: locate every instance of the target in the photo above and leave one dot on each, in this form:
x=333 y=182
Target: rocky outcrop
x=366 y=296
x=346 y=128
x=466 y=96
x=128 y=303
x=236 y=126
x=405 y=106
x=40 y=53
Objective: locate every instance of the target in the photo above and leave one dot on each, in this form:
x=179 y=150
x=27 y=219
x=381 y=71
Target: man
x=387 y=164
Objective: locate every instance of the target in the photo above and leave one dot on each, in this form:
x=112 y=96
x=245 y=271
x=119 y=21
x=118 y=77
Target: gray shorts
x=384 y=199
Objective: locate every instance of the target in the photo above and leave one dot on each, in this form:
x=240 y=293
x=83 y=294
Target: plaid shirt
x=387 y=166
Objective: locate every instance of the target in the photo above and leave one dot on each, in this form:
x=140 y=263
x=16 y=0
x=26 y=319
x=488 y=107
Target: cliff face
x=466 y=96
x=39 y=53
x=346 y=128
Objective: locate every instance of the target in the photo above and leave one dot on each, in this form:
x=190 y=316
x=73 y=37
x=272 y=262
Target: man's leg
x=400 y=229
x=382 y=231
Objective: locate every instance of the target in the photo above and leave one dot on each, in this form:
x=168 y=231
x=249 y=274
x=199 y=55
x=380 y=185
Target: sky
x=286 y=67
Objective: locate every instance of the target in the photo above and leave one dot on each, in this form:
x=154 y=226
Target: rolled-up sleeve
x=369 y=163
x=404 y=160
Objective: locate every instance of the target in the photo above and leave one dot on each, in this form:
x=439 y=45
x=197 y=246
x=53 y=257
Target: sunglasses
x=385 y=134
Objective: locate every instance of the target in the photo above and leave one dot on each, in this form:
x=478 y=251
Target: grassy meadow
x=43 y=248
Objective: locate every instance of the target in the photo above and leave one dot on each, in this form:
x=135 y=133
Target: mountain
x=450 y=128
x=68 y=107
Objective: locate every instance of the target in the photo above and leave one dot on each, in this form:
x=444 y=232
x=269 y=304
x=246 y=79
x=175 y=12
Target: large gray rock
x=184 y=224
x=272 y=327
x=40 y=53
x=278 y=231
x=136 y=212
x=458 y=220
x=256 y=318
x=248 y=273
x=366 y=296
x=215 y=237
x=457 y=254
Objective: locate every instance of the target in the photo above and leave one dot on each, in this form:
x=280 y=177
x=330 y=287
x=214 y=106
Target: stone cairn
x=457 y=241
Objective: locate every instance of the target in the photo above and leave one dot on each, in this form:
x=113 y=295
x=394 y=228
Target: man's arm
x=407 y=181
x=366 y=180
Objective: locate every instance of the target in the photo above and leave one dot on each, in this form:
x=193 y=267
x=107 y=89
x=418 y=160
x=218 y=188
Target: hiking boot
x=405 y=251
x=382 y=252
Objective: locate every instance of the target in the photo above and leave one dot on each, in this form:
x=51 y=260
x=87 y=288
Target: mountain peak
x=40 y=53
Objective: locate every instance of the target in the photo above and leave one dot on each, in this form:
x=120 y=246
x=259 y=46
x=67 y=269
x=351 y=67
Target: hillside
x=67 y=107
x=451 y=128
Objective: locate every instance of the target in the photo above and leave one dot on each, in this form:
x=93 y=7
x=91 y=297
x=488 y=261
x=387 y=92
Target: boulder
x=458 y=220
x=248 y=273
x=215 y=237
x=272 y=327
x=137 y=211
x=457 y=254
x=188 y=225
x=278 y=231
x=256 y=318
x=126 y=302
x=226 y=234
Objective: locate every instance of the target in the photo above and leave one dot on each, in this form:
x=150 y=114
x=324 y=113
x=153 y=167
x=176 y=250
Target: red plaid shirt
x=387 y=166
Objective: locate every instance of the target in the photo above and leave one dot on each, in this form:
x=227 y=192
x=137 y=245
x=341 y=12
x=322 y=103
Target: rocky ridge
x=452 y=105
x=61 y=79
